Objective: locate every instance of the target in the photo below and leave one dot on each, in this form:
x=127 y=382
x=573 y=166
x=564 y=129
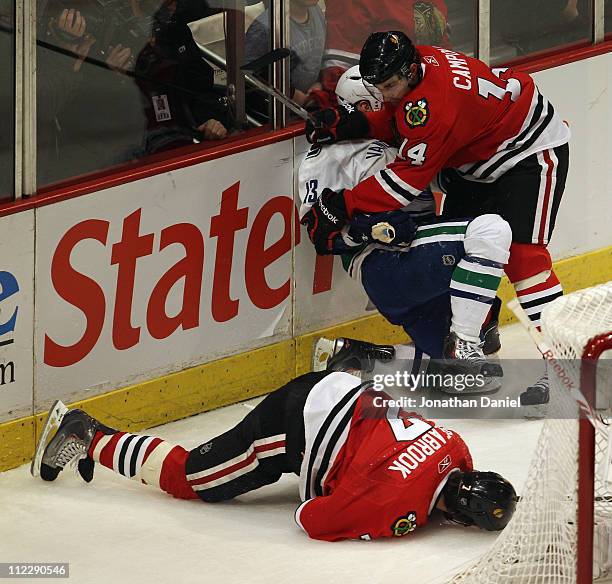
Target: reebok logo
x=328 y=213
x=444 y=463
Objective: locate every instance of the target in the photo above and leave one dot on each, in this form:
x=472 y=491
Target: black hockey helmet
x=484 y=499
x=385 y=54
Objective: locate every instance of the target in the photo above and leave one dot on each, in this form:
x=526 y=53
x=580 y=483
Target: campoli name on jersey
x=459 y=66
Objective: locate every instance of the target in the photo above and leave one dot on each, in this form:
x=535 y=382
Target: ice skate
x=535 y=398
x=489 y=334
x=491 y=342
x=343 y=354
x=75 y=432
x=463 y=357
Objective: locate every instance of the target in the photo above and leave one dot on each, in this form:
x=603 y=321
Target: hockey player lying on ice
x=365 y=472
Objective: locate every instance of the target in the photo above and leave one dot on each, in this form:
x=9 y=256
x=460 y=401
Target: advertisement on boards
x=16 y=314
x=164 y=273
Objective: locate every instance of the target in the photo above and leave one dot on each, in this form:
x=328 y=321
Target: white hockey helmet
x=350 y=90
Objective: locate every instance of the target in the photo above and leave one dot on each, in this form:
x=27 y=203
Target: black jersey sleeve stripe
x=395 y=187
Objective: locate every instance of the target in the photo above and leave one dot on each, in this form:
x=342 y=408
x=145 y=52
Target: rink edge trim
x=250 y=374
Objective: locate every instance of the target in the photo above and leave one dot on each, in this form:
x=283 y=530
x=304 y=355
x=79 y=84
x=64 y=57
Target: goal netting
x=551 y=539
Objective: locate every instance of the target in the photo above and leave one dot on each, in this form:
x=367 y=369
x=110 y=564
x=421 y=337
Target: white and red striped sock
x=147 y=459
x=536 y=298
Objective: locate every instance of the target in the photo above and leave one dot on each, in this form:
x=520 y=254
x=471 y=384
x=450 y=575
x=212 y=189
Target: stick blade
x=266 y=60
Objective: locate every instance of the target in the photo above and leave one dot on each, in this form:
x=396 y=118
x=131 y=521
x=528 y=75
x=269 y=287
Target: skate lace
x=468 y=351
x=72 y=449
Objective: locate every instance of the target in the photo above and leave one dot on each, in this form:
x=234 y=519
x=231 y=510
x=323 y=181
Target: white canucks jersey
x=340 y=166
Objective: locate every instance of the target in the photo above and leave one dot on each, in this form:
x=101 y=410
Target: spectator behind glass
x=181 y=102
x=350 y=22
x=307 y=39
x=535 y=25
x=119 y=80
x=89 y=114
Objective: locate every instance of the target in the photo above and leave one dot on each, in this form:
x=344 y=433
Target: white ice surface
x=115 y=531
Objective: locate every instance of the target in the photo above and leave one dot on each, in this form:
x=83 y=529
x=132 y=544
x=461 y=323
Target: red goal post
x=587 y=455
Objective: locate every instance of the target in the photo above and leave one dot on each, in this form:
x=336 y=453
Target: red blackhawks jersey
x=462 y=115
x=369 y=470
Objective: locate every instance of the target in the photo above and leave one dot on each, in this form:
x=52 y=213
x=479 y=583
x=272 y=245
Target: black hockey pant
x=267 y=443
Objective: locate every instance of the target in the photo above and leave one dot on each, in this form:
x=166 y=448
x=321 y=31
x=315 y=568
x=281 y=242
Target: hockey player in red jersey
x=417 y=285
x=494 y=142
x=367 y=469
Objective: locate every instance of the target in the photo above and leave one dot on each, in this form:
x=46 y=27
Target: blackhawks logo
x=417 y=113
x=498 y=513
x=405 y=524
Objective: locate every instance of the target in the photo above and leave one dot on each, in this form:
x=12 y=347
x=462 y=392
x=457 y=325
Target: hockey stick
x=540 y=342
x=264 y=61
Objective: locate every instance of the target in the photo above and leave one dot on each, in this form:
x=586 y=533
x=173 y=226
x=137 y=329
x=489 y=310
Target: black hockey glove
x=325 y=220
x=334 y=124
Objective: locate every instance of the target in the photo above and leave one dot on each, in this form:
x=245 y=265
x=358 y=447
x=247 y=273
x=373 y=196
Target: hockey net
x=561 y=532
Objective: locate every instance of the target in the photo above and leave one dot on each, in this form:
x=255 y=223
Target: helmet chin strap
x=458 y=518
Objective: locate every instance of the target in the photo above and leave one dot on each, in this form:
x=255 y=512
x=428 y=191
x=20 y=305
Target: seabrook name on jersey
x=369 y=469
x=407 y=462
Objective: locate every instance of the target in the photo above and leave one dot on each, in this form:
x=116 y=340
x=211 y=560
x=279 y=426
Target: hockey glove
x=325 y=220
x=334 y=124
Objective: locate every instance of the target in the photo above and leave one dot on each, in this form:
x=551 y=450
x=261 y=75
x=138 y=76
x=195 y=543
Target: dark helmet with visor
x=385 y=54
x=484 y=499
